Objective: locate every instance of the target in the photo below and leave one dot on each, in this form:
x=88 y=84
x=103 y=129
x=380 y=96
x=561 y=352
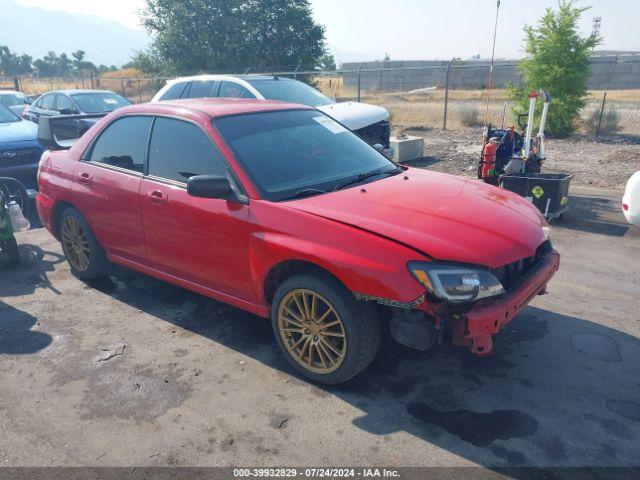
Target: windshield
x=12 y=99
x=99 y=102
x=6 y=115
x=290 y=91
x=295 y=151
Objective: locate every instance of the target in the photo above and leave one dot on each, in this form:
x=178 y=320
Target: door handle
x=85 y=178
x=156 y=196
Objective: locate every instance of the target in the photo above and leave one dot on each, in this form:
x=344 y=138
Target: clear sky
x=418 y=29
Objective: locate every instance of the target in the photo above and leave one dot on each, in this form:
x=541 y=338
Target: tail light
x=25 y=111
x=625 y=207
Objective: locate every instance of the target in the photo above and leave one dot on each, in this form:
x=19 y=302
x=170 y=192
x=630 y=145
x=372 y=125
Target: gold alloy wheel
x=312 y=331
x=75 y=244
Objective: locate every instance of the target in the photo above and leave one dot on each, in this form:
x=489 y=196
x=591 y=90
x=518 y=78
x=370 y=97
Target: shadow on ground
x=31 y=273
x=593 y=214
x=16 y=336
x=560 y=391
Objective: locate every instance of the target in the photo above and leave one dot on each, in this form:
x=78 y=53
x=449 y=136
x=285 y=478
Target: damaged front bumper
x=474 y=327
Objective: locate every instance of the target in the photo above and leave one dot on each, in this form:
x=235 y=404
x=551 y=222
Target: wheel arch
x=285 y=269
x=58 y=208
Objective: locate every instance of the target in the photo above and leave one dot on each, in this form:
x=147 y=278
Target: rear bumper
x=44 y=206
x=475 y=328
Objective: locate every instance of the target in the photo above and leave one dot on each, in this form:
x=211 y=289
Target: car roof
x=214 y=107
x=12 y=92
x=227 y=77
x=75 y=91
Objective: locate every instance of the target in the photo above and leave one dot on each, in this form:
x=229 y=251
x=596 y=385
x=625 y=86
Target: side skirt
x=260 y=310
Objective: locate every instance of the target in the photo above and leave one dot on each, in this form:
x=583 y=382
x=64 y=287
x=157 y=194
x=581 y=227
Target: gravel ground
x=606 y=163
x=131 y=371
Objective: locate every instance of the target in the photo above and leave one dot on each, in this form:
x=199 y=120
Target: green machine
x=14 y=205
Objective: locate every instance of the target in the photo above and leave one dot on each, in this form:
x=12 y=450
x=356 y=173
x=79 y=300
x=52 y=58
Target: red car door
x=201 y=240
x=107 y=186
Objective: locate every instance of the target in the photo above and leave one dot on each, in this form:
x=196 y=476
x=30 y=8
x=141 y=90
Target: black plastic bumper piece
x=413 y=329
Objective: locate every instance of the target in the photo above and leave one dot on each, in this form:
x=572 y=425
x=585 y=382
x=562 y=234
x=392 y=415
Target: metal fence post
x=124 y=93
x=446 y=93
x=604 y=99
x=359 y=69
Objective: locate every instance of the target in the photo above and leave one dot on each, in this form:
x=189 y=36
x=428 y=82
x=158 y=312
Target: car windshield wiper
x=364 y=176
x=305 y=192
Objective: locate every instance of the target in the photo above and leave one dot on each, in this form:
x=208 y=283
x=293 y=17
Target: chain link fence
x=450 y=95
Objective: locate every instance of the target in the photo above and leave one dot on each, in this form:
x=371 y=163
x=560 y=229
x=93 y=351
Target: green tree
x=13 y=64
x=327 y=62
x=558 y=62
x=227 y=35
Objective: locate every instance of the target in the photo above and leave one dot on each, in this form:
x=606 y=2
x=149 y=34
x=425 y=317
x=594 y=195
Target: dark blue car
x=20 y=150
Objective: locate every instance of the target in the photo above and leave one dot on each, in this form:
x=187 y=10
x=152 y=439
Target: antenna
x=595 y=31
x=493 y=54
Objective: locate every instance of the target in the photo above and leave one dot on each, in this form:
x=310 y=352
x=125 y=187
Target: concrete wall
x=612 y=72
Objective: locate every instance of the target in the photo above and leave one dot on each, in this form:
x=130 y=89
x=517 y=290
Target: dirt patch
x=139 y=396
x=608 y=162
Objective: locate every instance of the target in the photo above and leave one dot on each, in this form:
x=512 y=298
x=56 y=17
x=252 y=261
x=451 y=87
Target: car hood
x=18 y=131
x=446 y=217
x=355 y=115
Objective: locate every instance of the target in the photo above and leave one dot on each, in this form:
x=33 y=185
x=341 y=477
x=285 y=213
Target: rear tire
x=324 y=332
x=84 y=254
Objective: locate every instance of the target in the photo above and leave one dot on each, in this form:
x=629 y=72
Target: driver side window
x=64 y=103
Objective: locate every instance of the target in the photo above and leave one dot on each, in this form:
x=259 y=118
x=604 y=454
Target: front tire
x=324 y=332
x=84 y=254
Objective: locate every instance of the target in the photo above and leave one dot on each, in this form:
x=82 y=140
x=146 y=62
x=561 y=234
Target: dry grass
x=424 y=109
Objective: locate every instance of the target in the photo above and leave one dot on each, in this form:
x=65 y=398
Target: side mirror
x=211 y=186
x=66 y=111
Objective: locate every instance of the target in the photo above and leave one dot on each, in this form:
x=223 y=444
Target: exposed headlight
x=456 y=284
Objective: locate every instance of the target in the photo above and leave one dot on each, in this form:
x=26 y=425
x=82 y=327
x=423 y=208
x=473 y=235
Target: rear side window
x=180 y=150
x=205 y=89
x=123 y=143
x=64 y=102
x=49 y=102
x=174 y=92
x=234 y=90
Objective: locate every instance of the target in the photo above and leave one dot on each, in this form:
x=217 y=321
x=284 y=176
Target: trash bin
x=547 y=191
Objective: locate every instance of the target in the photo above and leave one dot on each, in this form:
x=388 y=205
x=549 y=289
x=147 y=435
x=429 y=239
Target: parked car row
x=371 y=122
x=20 y=149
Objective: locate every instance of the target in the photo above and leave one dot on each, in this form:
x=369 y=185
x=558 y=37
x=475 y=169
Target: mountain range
x=35 y=31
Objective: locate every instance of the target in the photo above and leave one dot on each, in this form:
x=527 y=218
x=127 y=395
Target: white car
x=16 y=101
x=631 y=200
x=371 y=122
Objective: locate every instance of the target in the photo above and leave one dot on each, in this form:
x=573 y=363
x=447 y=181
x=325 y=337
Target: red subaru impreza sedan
x=278 y=209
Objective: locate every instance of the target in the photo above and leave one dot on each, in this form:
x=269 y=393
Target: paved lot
x=201 y=383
